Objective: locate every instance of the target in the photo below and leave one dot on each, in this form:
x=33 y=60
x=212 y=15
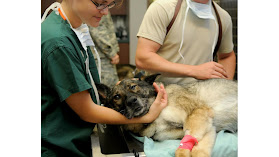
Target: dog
x=199 y=109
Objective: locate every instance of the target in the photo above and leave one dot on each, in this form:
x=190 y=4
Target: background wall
x=231 y=7
x=137 y=10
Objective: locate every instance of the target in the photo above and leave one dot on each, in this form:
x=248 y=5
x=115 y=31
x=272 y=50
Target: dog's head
x=131 y=97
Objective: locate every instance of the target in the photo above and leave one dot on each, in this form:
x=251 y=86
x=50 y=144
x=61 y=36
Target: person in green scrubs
x=69 y=107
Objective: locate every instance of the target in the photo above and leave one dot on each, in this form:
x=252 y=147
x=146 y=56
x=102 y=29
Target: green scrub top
x=63 y=133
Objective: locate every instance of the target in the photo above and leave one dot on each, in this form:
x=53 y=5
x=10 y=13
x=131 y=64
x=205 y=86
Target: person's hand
x=159 y=104
x=209 y=70
x=115 y=59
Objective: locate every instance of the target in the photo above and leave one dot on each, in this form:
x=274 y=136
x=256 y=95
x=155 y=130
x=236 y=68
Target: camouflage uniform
x=107 y=46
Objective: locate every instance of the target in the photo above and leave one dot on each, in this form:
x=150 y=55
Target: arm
x=114 y=57
x=228 y=60
x=82 y=104
x=148 y=59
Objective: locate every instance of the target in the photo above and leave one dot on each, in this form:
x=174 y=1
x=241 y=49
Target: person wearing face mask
x=70 y=104
x=184 y=53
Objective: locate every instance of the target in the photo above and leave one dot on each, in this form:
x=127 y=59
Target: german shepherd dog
x=199 y=109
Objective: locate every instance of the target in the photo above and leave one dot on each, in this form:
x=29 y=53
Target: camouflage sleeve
x=104 y=37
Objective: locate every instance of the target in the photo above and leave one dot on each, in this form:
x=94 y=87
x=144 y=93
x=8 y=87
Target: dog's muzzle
x=133 y=107
x=132 y=101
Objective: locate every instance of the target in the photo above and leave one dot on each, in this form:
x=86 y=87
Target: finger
x=156 y=87
x=219 y=65
x=217 y=75
x=222 y=72
x=160 y=94
x=165 y=96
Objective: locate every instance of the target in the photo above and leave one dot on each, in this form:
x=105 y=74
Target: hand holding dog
x=159 y=104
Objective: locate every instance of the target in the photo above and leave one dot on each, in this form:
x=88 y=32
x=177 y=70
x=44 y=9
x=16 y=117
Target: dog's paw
x=199 y=153
x=135 y=128
x=182 y=152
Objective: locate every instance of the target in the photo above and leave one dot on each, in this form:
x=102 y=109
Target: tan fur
x=199 y=109
x=182 y=152
x=195 y=110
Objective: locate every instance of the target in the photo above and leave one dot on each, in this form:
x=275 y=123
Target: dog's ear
x=140 y=75
x=151 y=78
x=103 y=91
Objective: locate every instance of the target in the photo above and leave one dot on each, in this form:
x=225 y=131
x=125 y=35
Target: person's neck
x=74 y=20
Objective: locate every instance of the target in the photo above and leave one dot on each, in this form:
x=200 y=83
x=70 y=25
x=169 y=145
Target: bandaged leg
x=185 y=146
x=198 y=125
x=205 y=145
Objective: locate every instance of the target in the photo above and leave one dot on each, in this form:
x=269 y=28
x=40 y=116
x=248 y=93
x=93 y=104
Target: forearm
x=82 y=104
x=148 y=59
x=100 y=114
x=229 y=63
x=155 y=63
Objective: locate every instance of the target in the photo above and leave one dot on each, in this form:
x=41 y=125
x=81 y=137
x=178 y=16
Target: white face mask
x=201 y=10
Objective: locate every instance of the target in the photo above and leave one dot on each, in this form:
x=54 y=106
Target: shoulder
x=55 y=34
x=165 y=2
x=164 y=5
x=54 y=26
x=224 y=15
x=163 y=10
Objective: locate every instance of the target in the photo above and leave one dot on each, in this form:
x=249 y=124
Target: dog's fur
x=199 y=109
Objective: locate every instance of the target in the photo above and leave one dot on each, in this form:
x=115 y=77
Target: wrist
x=189 y=70
x=147 y=118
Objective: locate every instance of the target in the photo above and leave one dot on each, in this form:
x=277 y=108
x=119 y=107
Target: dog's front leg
x=205 y=145
x=135 y=128
x=198 y=125
x=149 y=131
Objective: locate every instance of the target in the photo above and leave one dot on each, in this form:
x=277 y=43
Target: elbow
x=223 y=56
x=85 y=118
x=139 y=63
x=89 y=119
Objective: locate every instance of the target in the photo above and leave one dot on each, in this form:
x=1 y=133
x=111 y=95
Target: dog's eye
x=133 y=87
x=117 y=97
x=138 y=109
